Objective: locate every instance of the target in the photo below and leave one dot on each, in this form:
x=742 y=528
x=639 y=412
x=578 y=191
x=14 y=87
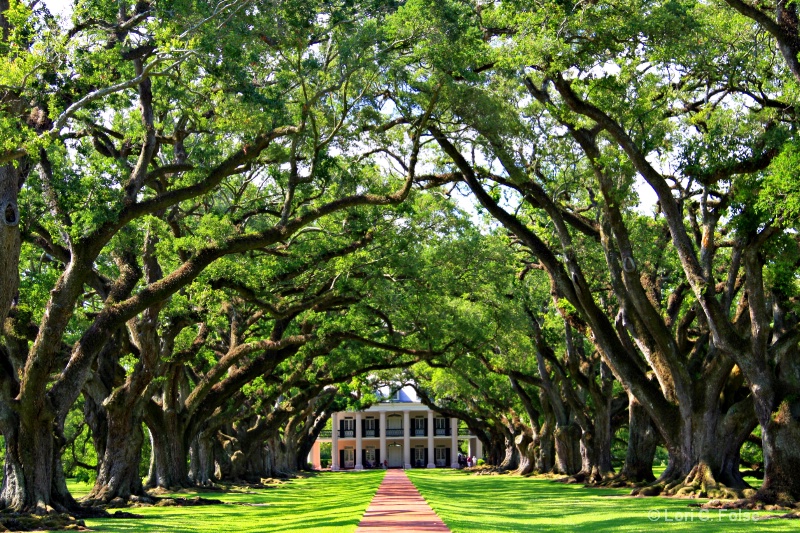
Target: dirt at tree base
x=758 y=502
x=186 y=502
x=487 y=470
x=10 y=521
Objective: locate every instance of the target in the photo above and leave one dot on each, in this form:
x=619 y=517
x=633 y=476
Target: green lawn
x=329 y=502
x=470 y=503
x=323 y=502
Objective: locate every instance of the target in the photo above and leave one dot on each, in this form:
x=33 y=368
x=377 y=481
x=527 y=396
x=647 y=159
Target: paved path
x=398 y=506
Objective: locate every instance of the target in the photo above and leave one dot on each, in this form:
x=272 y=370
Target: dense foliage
x=565 y=223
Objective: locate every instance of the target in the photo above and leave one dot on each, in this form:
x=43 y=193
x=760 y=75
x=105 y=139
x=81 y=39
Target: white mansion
x=402 y=432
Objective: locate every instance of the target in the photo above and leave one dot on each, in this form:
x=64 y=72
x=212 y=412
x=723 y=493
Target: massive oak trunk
x=511 y=456
x=642 y=443
x=704 y=455
x=494 y=448
x=202 y=459
x=527 y=450
x=118 y=462
x=595 y=446
x=282 y=455
x=781 y=444
x=33 y=478
x=169 y=468
x=545 y=456
x=568 y=449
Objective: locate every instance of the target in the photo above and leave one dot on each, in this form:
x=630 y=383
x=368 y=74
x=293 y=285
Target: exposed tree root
x=700 y=483
x=186 y=502
x=759 y=501
x=621 y=481
x=99 y=506
x=118 y=502
x=487 y=470
x=12 y=521
x=589 y=479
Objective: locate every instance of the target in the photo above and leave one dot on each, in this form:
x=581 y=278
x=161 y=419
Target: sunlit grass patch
x=470 y=503
x=326 y=502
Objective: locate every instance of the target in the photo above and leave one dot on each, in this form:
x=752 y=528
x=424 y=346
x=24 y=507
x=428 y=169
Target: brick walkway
x=398 y=506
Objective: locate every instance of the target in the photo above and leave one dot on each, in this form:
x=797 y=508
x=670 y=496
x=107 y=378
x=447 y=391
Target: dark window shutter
x=341 y=427
x=427 y=462
x=377 y=457
x=377 y=428
x=447 y=455
x=364 y=458
x=341 y=458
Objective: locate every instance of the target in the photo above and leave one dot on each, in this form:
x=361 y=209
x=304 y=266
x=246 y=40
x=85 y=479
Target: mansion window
x=419 y=456
x=349 y=427
x=394 y=426
x=369 y=428
x=349 y=457
x=441 y=456
x=419 y=427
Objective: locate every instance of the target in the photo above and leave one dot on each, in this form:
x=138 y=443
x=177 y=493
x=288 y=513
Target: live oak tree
x=624 y=91
x=207 y=223
x=145 y=115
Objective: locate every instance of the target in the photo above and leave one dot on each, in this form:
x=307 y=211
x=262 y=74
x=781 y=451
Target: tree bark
x=33 y=479
x=169 y=469
x=568 y=449
x=201 y=460
x=527 y=450
x=118 y=466
x=595 y=446
x=704 y=459
x=511 y=456
x=780 y=438
x=9 y=239
x=545 y=457
x=642 y=443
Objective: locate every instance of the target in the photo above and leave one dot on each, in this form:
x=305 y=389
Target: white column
x=454 y=443
x=431 y=446
x=406 y=439
x=382 y=434
x=471 y=446
x=359 y=466
x=335 y=442
x=314 y=456
x=478 y=448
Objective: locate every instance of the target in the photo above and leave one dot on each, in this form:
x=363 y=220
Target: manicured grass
x=470 y=503
x=327 y=502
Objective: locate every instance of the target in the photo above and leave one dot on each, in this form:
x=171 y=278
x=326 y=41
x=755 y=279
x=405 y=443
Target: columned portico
x=454 y=443
x=394 y=433
x=335 y=442
x=359 y=464
x=431 y=448
x=406 y=439
x=382 y=428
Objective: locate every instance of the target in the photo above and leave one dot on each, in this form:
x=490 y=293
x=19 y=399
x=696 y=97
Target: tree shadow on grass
x=468 y=503
x=322 y=501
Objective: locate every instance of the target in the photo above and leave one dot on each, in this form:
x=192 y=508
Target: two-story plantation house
x=401 y=431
